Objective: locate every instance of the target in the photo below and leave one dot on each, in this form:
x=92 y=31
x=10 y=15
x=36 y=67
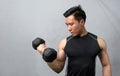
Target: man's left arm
x=104 y=58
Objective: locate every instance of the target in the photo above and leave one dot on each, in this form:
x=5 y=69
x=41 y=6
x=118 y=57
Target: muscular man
x=81 y=48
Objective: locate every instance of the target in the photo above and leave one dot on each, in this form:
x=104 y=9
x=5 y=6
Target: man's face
x=73 y=26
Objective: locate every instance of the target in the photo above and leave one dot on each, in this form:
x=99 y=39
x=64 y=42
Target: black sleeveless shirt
x=81 y=53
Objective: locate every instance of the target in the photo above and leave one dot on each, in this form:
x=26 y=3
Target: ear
x=82 y=22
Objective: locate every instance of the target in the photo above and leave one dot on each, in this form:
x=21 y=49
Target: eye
x=71 y=24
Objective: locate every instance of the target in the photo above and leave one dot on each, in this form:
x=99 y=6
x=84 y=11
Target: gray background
x=23 y=20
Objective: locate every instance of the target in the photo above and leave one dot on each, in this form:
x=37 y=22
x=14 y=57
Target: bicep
x=61 y=54
x=103 y=56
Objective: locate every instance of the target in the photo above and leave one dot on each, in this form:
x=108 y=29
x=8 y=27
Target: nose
x=69 y=28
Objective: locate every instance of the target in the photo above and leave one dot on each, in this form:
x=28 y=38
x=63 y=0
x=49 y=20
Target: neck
x=83 y=32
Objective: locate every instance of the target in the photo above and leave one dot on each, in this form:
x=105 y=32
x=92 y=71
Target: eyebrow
x=69 y=23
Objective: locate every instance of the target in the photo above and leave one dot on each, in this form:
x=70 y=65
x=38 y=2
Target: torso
x=81 y=53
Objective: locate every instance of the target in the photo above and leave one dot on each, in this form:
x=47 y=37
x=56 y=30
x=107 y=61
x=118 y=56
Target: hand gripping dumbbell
x=49 y=54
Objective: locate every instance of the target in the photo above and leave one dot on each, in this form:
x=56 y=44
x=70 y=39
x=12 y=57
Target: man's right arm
x=58 y=64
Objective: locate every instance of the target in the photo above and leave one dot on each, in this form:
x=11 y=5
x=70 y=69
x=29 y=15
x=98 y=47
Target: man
x=81 y=48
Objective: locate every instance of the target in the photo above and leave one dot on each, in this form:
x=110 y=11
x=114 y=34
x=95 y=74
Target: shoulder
x=101 y=43
x=100 y=40
x=92 y=35
x=62 y=43
x=65 y=40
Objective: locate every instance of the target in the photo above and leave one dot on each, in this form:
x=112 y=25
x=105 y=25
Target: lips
x=71 y=32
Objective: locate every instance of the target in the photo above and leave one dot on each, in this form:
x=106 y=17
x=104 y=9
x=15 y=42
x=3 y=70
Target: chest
x=82 y=47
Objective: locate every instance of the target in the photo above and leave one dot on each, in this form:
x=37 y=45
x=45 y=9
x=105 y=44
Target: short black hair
x=77 y=12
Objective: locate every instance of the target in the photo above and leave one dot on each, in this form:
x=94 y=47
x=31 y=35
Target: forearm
x=107 y=70
x=56 y=65
x=54 y=59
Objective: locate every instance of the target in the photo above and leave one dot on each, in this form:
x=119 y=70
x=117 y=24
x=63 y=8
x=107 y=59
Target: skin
x=77 y=28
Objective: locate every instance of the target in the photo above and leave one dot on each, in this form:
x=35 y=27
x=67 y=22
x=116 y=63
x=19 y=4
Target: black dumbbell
x=49 y=54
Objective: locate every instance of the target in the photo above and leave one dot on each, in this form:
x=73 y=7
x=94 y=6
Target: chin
x=74 y=34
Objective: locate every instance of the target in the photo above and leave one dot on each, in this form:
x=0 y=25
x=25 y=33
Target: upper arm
x=103 y=55
x=61 y=54
x=58 y=64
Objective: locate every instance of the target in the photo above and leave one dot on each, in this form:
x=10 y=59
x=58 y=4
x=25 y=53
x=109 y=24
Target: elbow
x=107 y=70
x=57 y=71
x=107 y=67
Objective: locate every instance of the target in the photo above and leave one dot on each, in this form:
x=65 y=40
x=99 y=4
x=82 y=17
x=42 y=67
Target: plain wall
x=23 y=20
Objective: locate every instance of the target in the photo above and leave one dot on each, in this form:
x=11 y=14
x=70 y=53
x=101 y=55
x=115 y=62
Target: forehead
x=70 y=19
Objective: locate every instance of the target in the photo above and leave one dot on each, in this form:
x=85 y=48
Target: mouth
x=72 y=33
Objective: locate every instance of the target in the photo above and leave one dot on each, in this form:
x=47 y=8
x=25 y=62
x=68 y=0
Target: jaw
x=74 y=34
x=80 y=32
